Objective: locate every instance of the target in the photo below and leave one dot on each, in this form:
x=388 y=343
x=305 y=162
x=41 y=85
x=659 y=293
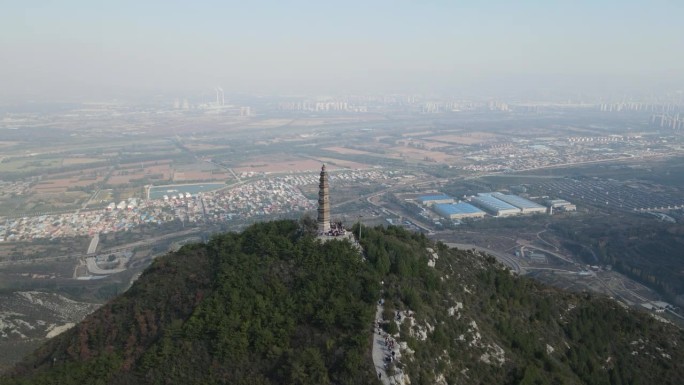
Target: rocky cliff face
x=28 y=318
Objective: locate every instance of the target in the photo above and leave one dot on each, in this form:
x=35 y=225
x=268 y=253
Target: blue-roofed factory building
x=429 y=200
x=526 y=206
x=494 y=206
x=458 y=210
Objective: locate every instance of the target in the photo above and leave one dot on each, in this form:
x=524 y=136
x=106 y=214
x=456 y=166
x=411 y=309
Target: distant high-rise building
x=323 y=203
x=220 y=97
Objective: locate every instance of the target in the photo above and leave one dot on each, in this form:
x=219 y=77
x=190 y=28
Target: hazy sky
x=95 y=48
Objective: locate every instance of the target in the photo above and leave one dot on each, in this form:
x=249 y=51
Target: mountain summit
x=274 y=305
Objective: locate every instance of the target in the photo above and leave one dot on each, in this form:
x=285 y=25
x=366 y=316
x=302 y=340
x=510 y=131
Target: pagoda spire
x=323 y=202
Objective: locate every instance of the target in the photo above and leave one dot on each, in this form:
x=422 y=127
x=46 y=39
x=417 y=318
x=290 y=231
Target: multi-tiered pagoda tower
x=323 y=203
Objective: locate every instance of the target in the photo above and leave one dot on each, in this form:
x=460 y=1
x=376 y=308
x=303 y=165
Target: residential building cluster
x=14 y=188
x=322 y=106
x=674 y=121
x=525 y=155
x=79 y=224
x=340 y=178
x=638 y=106
x=263 y=197
x=244 y=201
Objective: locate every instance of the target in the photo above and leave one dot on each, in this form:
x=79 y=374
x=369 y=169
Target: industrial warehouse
x=429 y=200
x=495 y=204
x=525 y=206
x=458 y=210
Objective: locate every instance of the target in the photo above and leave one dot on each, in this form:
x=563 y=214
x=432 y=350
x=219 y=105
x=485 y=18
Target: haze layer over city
x=80 y=50
x=550 y=136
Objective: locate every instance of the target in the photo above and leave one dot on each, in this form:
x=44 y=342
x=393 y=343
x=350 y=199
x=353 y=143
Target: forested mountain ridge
x=272 y=305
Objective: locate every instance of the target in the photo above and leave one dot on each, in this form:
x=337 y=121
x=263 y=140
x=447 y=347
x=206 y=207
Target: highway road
x=127 y=246
x=93 y=244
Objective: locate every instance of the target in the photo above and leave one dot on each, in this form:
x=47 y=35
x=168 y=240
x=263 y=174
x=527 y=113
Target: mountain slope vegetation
x=273 y=305
x=478 y=323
